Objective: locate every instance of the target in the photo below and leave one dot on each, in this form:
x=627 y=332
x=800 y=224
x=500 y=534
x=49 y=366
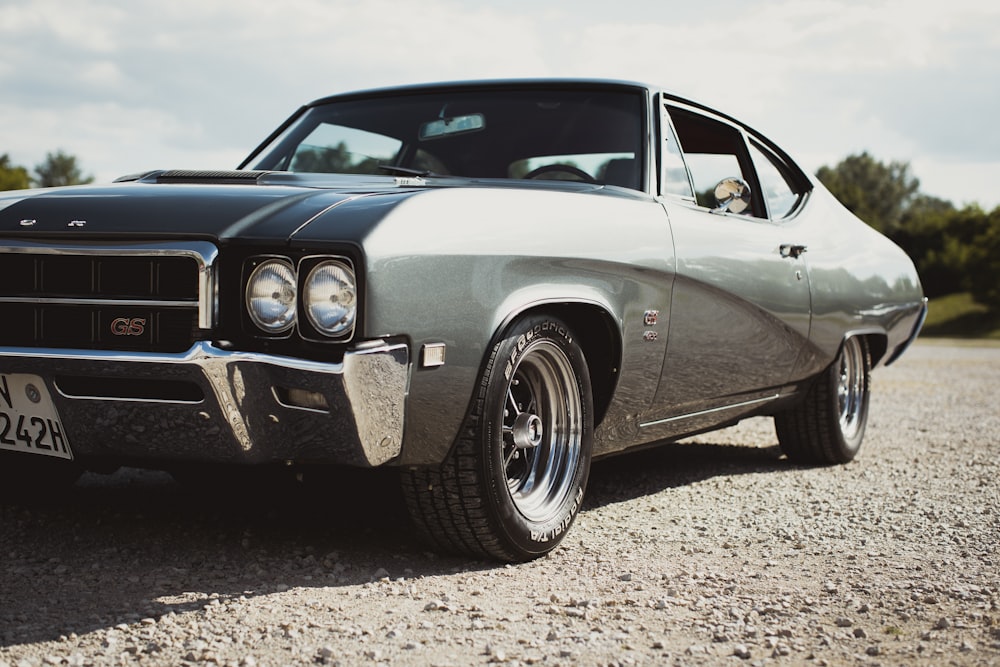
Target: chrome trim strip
x=124 y=399
x=325 y=211
x=200 y=351
x=203 y=252
x=917 y=326
x=64 y=301
x=701 y=413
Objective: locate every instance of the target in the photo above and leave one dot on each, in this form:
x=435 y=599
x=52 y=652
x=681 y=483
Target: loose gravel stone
x=711 y=551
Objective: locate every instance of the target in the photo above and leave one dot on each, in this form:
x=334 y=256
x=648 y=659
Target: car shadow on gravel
x=137 y=544
x=671 y=465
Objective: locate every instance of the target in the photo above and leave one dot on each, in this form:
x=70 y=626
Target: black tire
x=34 y=477
x=829 y=425
x=515 y=479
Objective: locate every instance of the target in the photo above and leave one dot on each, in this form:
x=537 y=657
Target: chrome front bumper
x=214 y=405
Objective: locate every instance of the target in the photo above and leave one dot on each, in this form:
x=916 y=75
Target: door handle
x=792 y=250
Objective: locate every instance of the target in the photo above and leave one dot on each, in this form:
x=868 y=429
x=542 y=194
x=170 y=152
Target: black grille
x=128 y=302
x=54 y=276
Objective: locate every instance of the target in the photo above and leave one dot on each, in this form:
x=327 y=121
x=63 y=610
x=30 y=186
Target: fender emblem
x=76 y=223
x=128 y=326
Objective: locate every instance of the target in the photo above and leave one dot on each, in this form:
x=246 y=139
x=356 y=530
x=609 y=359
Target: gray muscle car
x=485 y=285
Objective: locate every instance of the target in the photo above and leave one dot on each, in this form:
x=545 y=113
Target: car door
x=740 y=311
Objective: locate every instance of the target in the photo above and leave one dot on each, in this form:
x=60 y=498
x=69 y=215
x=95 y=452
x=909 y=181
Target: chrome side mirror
x=732 y=195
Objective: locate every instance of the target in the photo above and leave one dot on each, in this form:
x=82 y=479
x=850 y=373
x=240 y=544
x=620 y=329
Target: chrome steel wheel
x=828 y=425
x=515 y=480
x=852 y=389
x=542 y=431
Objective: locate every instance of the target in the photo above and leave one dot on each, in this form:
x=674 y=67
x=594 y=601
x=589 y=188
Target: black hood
x=210 y=205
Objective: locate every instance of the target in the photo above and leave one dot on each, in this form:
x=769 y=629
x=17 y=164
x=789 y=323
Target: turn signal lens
x=331 y=298
x=271 y=296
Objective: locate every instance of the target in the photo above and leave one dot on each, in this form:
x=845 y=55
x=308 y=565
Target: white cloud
x=153 y=84
x=90 y=27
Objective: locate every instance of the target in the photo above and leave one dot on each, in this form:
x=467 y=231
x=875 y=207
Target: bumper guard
x=224 y=406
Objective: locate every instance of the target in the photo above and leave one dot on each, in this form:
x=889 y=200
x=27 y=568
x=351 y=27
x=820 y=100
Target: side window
x=774 y=183
x=714 y=151
x=675 y=176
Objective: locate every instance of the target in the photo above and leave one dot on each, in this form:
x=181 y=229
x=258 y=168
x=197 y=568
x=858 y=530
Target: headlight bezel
x=304 y=326
x=255 y=268
x=330 y=298
x=308 y=327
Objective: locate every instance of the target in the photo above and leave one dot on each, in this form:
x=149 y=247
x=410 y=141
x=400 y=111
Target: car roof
x=492 y=84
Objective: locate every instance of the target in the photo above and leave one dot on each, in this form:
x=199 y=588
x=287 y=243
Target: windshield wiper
x=405 y=171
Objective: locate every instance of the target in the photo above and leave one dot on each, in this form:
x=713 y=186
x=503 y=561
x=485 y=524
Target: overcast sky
x=129 y=86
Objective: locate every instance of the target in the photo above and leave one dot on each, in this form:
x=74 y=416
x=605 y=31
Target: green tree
x=877 y=193
x=12 y=177
x=983 y=269
x=954 y=250
x=953 y=254
x=924 y=234
x=947 y=247
x=58 y=169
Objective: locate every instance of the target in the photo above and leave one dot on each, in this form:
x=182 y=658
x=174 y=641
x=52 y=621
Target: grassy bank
x=958 y=316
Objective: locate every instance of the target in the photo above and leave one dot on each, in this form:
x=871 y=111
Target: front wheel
x=514 y=482
x=829 y=425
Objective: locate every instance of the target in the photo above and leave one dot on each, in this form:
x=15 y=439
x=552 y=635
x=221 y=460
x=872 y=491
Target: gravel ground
x=711 y=551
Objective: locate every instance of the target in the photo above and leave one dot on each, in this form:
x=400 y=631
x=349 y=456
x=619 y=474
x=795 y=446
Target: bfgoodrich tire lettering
x=515 y=480
x=829 y=425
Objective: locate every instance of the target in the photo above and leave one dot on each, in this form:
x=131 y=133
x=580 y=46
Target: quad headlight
x=330 y=297
x=271 y=296
x=319 y=295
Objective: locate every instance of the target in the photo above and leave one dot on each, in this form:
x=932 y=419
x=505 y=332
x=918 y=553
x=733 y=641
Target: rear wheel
x=829 y=425
x=515 y=479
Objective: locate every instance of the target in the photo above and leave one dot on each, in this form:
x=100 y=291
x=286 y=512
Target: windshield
x=582 y=135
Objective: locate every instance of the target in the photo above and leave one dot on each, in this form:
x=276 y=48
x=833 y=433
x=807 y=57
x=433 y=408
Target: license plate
x=29 y=421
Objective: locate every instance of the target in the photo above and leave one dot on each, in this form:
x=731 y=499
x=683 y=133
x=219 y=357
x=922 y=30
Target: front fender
x=455 y=266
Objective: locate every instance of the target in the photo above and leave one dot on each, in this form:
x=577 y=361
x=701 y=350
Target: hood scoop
x=214 y=177
x=210 y=177
x=283 y=178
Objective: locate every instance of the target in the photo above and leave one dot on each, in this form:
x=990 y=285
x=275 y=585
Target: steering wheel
x=563 y=169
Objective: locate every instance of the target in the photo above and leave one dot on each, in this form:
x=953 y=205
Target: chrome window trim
x=204 y=253
x=667 y=128
x=750 y=176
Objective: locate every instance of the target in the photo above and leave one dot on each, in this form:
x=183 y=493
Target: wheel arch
x=877 y=340
x=878 y=344
x=599 y=338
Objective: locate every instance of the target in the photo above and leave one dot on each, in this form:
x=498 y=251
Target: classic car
x=485 y=285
